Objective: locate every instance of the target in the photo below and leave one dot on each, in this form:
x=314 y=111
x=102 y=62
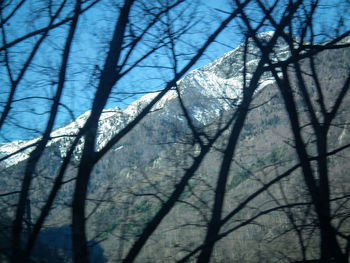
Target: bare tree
x=318 y=182
x=120 y=60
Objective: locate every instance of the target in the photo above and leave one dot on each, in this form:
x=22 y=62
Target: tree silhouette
x=206 y=166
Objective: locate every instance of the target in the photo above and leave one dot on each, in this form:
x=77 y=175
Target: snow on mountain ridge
x=220 y=80
x=58 y=135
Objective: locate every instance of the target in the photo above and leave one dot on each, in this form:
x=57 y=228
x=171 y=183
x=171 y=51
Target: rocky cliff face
x=130 y=182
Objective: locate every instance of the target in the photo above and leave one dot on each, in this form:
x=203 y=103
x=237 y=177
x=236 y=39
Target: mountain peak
x=207 y=91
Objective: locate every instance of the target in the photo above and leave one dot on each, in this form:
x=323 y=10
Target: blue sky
x=93 y=34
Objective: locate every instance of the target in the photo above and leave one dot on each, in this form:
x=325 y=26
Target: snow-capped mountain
x=207 y=92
